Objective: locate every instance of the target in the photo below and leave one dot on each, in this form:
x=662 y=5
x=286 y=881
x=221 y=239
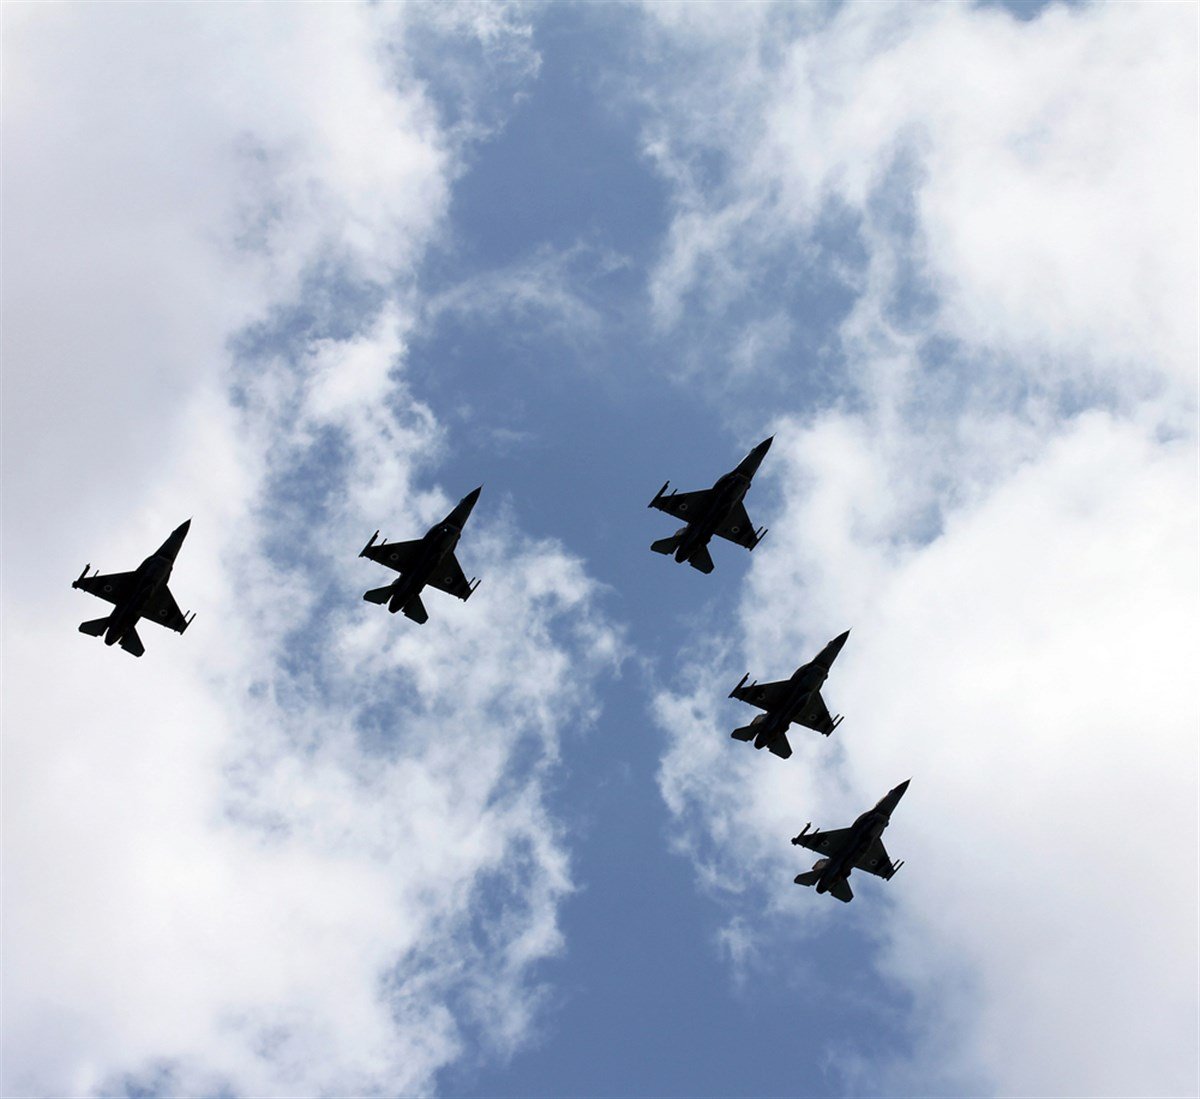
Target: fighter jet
x=142 y=593
x=797 y=699
x=855 y=848
x=718 y=510
x=428 y=560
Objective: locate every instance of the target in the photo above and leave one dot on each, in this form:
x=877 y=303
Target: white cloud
x=303 y=849
x=1049 y=198
x=1001 y=500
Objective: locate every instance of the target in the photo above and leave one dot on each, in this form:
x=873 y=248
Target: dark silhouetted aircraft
x=718 y=510
x=142 y=593
x=855 y=848
x=797 y=699
x=428 y=560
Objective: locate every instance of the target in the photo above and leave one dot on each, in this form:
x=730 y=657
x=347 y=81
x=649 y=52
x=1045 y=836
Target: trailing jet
x=428 y=560
x=142 y=593
x=797 y=699
x=855 y=848
x=718 y=510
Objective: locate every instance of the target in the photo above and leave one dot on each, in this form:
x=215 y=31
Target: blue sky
x=303 y=279
x=644 y=1003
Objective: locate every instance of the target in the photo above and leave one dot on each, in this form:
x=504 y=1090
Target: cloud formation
x=302 y=849
x=998 y=493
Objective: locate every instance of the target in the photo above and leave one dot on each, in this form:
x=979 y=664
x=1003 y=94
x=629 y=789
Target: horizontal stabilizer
x=841 y=889
x=415 y=610
x=378 y=595
x=809 y=877
x=131 y=643
x=780 y=746
x=746 y=732
x=94 y=628
x=701 y=560
x=666 y=545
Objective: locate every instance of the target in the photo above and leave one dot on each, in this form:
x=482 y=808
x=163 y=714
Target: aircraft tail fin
x=701 y=560
x=746 y=732
x=780 y=746
x=378 y=595
x=668 y=545
x=96 y=627
x=131 y=643
x=415 y=610
x=809 y=877
x=841 y=890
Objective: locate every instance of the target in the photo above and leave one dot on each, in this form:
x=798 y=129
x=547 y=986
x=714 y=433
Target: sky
x=304 y=272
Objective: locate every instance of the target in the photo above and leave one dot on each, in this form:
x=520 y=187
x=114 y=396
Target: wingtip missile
x=659 y=494
x=741 y=684
x=363 y=552
x=803 y=832
x=82 y=576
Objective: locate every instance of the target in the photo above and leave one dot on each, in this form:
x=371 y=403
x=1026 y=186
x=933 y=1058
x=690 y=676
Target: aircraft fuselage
x=438 y=541
x=729 y=491
x=863 y=832
x=150 y=577
x=805 y=680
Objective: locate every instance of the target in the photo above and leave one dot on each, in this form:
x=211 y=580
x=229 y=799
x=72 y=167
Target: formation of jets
x=430 y=561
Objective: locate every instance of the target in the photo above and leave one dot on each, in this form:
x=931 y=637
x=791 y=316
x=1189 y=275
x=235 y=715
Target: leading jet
x=428 y=560
x=142 y=593
x=718 y=510
x=789 y=700
x=855 y=848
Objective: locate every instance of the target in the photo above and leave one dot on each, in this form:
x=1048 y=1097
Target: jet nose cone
x=462 y=510
x=749 y=465
x=829 y=653
x=183 y=528
x=891 y=799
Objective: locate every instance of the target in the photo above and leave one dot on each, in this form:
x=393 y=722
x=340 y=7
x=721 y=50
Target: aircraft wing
x=683 y=505
x=737 y=527
x=400 y=556
x=765 y=696
x=825 y=842
x=816 y=715
x=449 y=577
x=875 y=860
x=113 y=586
x=165 y=611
